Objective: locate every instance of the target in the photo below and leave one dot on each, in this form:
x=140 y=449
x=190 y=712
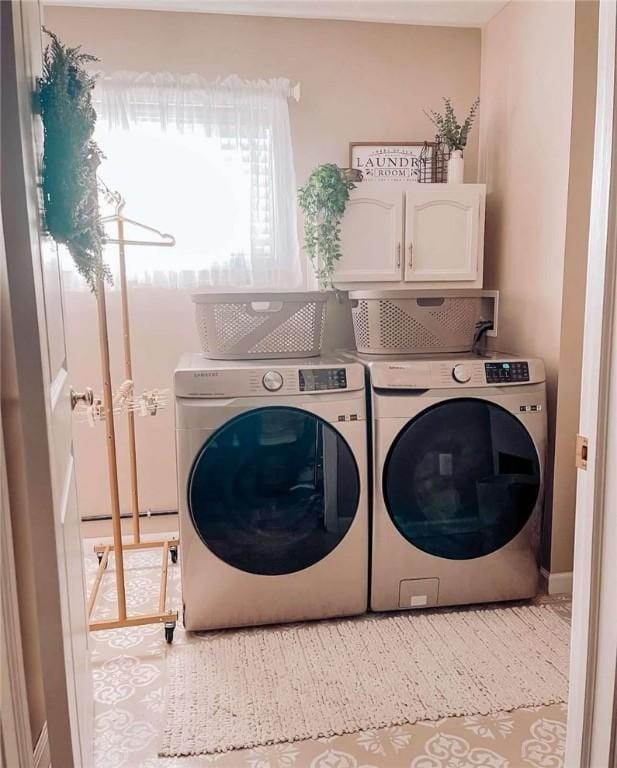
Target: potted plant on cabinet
x=454 y=135
x=323 y=200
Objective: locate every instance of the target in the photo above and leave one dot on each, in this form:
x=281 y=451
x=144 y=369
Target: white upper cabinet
x=372 y=235
x=442 y=232
x=430 y=235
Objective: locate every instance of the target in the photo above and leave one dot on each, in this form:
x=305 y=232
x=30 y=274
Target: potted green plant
x=323 y=200
x=454 y=135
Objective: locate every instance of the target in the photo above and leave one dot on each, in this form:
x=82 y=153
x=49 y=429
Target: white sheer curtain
x=209 y=162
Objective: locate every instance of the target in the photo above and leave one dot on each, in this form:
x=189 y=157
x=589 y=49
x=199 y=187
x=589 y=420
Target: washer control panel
x=197 y=376
x=319 y=379
x=507 y=372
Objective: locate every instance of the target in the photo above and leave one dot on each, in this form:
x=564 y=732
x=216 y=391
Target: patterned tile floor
x=129 y=668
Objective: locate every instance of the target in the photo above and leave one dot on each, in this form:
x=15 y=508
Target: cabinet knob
x=411 y=254
x=398 y=254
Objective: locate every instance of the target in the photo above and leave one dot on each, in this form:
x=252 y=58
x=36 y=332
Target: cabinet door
x=443 y=234
x=372 y=234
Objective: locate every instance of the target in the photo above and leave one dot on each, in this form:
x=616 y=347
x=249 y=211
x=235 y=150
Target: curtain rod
x=140 y=79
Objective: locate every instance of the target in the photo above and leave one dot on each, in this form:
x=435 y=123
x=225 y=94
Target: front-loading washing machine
x=459 y=446
x=272 y=479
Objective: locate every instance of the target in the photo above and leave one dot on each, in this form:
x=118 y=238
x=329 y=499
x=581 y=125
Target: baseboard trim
x=41 y=757
x=154 y=524
x=557 y=583
x=129 y=515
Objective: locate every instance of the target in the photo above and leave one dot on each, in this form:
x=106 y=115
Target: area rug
x=263 y=686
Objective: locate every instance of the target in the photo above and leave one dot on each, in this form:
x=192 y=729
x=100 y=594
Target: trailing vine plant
x=323 y=200
x=450 y=131
x=71 y=157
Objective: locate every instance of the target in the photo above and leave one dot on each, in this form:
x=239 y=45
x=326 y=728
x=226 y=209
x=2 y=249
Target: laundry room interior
x=326 y=380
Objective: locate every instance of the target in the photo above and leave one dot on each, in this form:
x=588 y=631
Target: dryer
x=459 y=446
x=273 y=507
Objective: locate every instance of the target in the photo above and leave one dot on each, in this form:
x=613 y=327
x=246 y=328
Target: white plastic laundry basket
x=414 y=322
x=258 y=326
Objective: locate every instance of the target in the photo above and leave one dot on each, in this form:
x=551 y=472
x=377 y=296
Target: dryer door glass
x=461 y=479
x=274 y=490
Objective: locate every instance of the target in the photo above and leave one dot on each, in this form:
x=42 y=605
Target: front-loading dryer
x=459 y=446
x=272 y=468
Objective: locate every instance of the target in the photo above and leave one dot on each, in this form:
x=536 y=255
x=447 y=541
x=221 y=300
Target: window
x=210 y=163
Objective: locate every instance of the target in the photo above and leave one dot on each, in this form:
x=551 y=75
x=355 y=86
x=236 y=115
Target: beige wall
x=359 y=82
x=536 y=222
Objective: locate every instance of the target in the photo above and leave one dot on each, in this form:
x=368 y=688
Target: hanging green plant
x=71 y=157
x=323 y=200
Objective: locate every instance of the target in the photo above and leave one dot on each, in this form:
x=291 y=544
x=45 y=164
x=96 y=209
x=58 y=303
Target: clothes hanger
x=165 y=240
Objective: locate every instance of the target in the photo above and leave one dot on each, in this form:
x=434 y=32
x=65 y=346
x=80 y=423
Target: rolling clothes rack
x=169 y=546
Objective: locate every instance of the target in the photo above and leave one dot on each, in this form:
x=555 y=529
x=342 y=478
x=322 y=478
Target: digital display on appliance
x=499 y=373
x=314 y=379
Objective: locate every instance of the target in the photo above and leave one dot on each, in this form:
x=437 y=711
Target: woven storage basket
x=414 y=322
x=259 y=326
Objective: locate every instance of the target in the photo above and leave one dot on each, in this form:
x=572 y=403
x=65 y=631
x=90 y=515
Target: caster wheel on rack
x=173 y=551
x=169 y=632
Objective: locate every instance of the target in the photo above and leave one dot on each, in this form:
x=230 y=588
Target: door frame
x=591 y=722
x=16 y=735
x=592 y=710
x=15 y=731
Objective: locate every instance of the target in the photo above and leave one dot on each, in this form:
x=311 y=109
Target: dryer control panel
x=445 y=372
x=507 y=372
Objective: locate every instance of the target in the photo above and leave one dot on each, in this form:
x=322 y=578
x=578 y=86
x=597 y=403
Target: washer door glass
x=461 y=479
x=274 y=490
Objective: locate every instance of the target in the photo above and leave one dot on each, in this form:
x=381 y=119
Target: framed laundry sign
x=393 y=161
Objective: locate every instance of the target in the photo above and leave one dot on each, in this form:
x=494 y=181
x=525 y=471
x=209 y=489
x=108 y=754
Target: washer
x=459 y=447
x=272 y=478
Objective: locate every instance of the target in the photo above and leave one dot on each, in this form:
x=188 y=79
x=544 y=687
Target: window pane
x=189 y=184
